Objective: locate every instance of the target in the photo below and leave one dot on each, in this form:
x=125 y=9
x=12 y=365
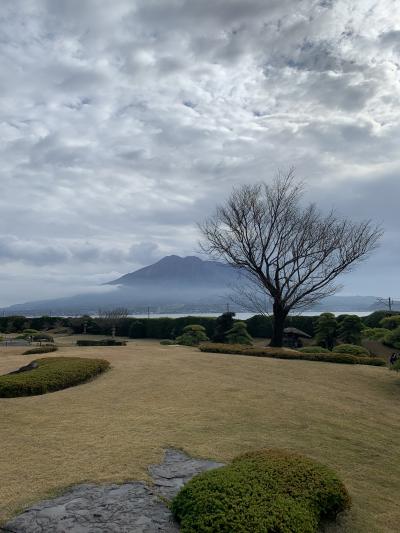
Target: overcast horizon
x=124 y=123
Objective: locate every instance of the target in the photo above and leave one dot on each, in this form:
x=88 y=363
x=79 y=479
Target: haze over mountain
x=172 y=285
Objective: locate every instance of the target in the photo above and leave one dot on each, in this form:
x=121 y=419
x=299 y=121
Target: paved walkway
x=127 y=508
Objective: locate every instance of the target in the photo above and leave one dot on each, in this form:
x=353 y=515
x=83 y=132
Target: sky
x=123 y=124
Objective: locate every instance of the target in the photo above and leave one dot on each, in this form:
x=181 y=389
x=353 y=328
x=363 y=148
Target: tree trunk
x=280 y=315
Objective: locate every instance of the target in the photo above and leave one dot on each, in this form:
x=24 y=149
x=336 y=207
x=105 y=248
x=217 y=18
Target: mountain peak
x=176 y=270
x=178 y=258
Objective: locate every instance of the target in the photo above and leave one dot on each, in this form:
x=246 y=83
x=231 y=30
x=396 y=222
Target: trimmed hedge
x=103 y=342
x=52 y=374
x=351 y=349
x=313 y=349
x=41 y=349
x=281 y=353
x=269 y=491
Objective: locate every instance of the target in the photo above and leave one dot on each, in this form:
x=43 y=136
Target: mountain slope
x=172 y=285
x=189 y=270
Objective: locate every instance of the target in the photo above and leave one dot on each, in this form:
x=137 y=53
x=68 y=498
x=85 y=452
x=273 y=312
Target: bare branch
x=293 y=253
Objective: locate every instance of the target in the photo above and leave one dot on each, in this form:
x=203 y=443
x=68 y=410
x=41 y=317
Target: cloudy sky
x=122 y=124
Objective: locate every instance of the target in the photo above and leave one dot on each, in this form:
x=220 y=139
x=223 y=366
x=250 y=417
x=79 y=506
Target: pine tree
x=350 y=329
x=238 y=334
x=222 y=325
x=326 y=330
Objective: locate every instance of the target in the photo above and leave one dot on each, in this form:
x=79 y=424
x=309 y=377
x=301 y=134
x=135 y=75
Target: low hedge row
x=281 y=353
x=51 y=374
x=102 y=342
x=270 y=491
x=313 y=349
x=41 y=349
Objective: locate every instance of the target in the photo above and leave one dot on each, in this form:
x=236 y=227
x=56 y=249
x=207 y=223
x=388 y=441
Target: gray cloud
x=123 y=123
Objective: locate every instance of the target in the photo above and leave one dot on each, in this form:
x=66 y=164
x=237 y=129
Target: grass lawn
x=214 y=406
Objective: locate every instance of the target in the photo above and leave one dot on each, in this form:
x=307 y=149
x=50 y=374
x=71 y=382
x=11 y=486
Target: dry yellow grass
x=211 y=406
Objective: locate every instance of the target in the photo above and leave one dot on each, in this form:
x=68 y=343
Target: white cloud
x=123 y=123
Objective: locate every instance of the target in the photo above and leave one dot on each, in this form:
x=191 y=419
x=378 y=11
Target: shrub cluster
x=281 y=353
x=351 y=349
x=41 y=349
x=102 y=342
x=52 y=374
x=270 y=491
x=392 y=338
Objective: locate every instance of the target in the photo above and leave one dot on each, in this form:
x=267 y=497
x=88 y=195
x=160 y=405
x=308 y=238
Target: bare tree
x=112 y=317
x=292 y=253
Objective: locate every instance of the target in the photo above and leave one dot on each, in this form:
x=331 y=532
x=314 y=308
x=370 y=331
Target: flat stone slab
x=130 y=507
x=176 y=470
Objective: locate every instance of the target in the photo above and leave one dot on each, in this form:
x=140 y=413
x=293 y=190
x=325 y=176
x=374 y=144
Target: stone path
x=127 y=508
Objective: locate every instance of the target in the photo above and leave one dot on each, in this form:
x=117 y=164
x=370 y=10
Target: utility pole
x=388 y=302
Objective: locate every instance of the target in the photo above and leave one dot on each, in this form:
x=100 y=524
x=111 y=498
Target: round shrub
x=351 y=349
x=50 y=374
x=313 y=349
x=269 y=491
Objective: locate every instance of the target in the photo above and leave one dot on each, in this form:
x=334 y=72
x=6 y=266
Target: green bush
x=376 y=334
x=103 y=342
x=279 y=353
x=390 y=322
x=238 y=334
x=393 y=338
x=350 y=349
x=396 y=366
x=167 y=342
x=373 y=320
x=41 y=349
x=52 y=374
x=192 y=335
x=269 y=491
x=313 y=349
